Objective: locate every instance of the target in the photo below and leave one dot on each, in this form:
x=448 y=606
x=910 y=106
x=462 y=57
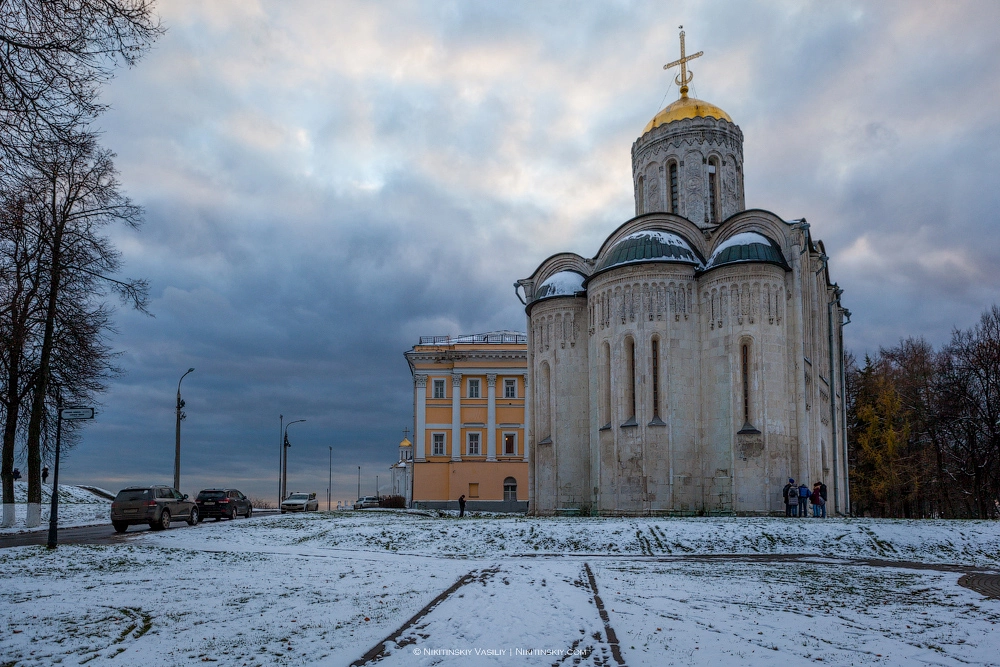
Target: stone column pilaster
x=491 y=416
x=527 y=417
x=456 y=416
x=420 y=427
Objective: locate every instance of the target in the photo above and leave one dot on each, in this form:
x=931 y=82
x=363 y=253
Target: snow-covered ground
x=325 y=589
x=77 y=507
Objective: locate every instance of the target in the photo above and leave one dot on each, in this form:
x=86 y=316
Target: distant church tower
x=695 y=363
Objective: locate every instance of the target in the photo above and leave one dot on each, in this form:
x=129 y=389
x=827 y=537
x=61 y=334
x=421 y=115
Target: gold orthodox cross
x=684 y=78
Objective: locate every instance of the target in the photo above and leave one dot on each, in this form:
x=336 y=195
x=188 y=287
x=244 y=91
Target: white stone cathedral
x=695 y=364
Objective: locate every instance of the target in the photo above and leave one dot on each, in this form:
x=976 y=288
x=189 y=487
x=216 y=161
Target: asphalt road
x=102 y=534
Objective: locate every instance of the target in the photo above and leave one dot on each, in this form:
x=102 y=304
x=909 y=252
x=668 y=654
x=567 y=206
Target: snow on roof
x=666 y=238
x=743 y=238
x=649 y=245
x=564 y=283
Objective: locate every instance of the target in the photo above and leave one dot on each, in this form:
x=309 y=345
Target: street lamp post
x=281 y=451
x=284 y=467
x=359 y=482
x=177 y=438
x=329 y=486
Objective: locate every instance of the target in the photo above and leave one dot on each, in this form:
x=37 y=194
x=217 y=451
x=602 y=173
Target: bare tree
x=54 y=57
x=68 y=199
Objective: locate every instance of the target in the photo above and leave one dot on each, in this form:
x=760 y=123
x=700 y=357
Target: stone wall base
x=515 y=506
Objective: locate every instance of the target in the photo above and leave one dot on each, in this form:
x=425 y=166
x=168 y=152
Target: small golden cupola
x=688 y=161
x=685 y=107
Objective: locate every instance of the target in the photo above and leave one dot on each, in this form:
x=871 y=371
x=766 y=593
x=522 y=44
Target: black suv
x=155 y=505
x=221 y=503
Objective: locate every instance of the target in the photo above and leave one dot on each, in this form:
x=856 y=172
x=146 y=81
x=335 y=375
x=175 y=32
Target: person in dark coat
x=822 y=492
x=16 y=474
x=791 y=501
x=461 y=505
x=45 y=474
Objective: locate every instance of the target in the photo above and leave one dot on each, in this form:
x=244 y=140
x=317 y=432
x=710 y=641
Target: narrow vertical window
x=438 y=388
x=629 y=397
x=713 y=191
x=544 y=404
x=656 y=378
x=640 y=199
x=746 y=383
x=606 y=385
x=473 y=388
x=674 y=202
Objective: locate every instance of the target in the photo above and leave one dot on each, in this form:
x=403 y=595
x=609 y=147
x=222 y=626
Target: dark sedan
x=223 y=503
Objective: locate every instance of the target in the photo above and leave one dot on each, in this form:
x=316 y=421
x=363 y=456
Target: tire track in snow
x=379 y=651
x=609 y=632
x=549 y=610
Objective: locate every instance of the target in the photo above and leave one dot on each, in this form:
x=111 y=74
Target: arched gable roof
x=667 y=222
x=755 y=220
x=563 y=261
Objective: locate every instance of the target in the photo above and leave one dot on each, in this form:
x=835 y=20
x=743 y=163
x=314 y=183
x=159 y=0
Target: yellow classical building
x=469 y=417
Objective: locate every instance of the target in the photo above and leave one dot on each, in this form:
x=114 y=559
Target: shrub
x=395 y=502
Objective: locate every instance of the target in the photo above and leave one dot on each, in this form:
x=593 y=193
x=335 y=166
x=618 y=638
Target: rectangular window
x=510 y=388
x=473 y=388
x=438 y=444
x=473 y=448
x=510 y=444
x=438 y=388
x=473 y=489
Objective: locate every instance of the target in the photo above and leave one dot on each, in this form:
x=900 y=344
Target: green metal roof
x=747 y=247
x=649 y=246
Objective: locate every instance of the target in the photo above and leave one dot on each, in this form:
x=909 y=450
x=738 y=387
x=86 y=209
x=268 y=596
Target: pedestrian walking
x=803 y=499
x=45 y=474
x=461 y=505
x=822 y=492
x=16 y=474
x=790 y=495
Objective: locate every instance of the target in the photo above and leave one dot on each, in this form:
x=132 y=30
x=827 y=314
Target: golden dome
x=405 y=443
x=686 y=107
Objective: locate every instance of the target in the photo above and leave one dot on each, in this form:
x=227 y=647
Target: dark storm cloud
x=326 y=182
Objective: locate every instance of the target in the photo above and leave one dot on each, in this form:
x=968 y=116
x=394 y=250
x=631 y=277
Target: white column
x=491 y=417
x=527 y=417
x=456 y=416
x=419 y=430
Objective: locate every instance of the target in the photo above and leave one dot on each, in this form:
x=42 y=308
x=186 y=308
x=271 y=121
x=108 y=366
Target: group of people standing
x=797 y=497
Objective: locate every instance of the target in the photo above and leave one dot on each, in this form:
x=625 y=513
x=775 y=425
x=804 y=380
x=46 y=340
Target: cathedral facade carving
x=695 y=363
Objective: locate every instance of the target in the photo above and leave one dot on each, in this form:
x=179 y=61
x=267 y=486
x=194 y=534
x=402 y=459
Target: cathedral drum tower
x=695 y=363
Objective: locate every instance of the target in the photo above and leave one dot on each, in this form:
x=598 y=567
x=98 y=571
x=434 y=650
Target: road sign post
x=64 y=413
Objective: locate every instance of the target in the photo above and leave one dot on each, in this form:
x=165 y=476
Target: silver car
x=300 y=502
x=366 y=501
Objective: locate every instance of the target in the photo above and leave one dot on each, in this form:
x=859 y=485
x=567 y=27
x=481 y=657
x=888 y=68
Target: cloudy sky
x=324 y=182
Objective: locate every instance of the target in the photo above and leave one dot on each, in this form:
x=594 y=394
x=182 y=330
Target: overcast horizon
x=325 y=182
